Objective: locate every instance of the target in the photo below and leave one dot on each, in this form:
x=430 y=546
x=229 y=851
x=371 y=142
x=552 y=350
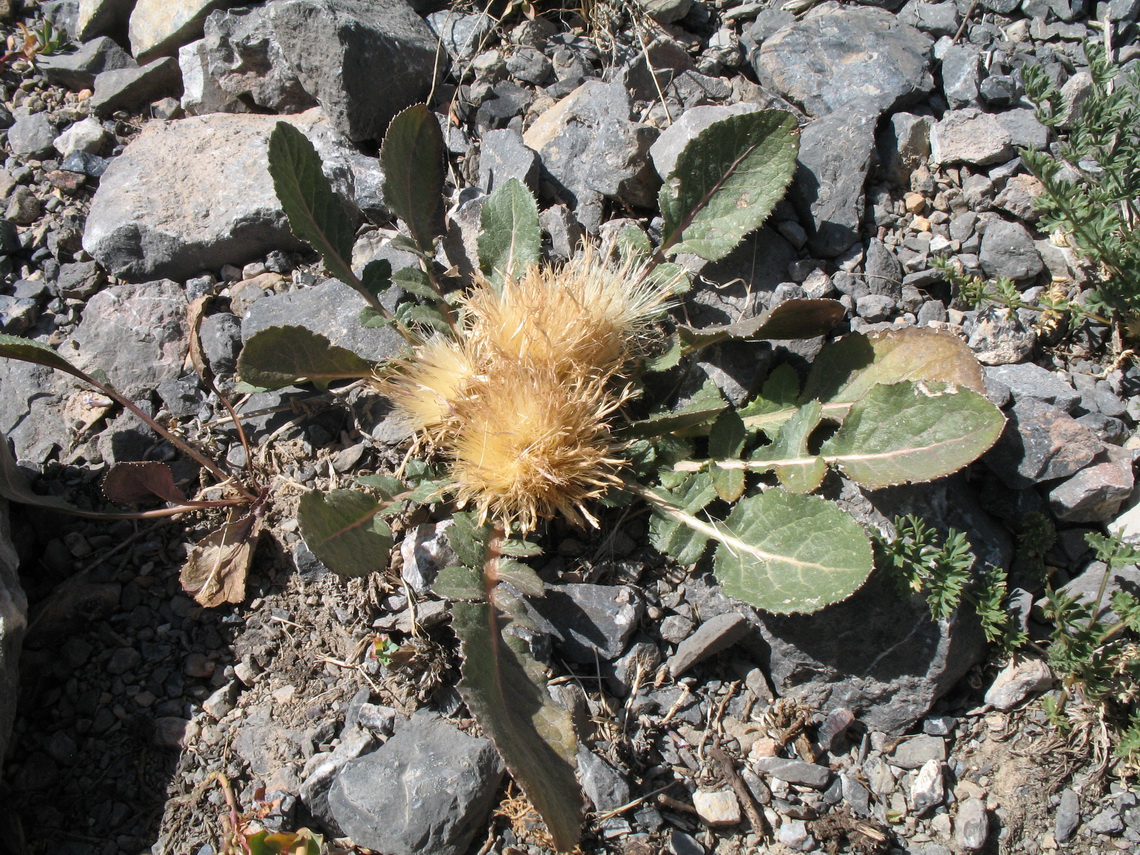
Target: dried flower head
x=424 y=387
x=586 y=316
x=527 y=445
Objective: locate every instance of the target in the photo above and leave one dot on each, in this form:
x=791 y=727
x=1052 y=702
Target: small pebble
x=717 y=807
x=972 y=824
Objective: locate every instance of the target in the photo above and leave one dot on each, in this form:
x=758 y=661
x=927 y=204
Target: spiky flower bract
x=520 y=402
x=528 y=445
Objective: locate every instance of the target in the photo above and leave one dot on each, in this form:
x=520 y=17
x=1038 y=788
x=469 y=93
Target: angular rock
x=86 y=136
x=136 y=334
x=590 y=149
x=502 y=156
x=1068 y=815
x=160 y=28
x=1017 y=681
x=1041 y=443
x=339 y=49
x=718 y=808
x=836 y=153
x=201 y=93
x=31 y=409
x=1085 y=587
x=591 y=622
x=605 y=787
x=1008 y=250
x=213 y=203
x=970 y=136
x=1023 y=128
x=666 y=11
x=13 y=626
x=674 y=138
x=245 y=60
x=916 y=752
x=1095 y=493
x=929 y=788
x=972 y=825
x=102 y=18
x=132 y=88
x=712 y=636
x=32 y=136
x=961 y=74
x=1000 y=338
x=904 y=145
x=836 y=56
x=425 y=551
x=1029 y=380
x=795 y=771
x=426 y=791
x=331 y=309
x=78 y=70
x=462 y=34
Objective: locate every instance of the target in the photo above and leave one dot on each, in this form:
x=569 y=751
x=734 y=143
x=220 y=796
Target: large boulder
x=196 y=194
x=363 y=61
x=160 y=28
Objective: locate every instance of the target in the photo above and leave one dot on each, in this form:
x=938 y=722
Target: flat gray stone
x=714 y=635
x=1068 y=815
x=1041 y=443
x=1096 y=493
x=102 y=18
x=1017 y=681
x=77 y=70
x=795 y=771
x=195 y=194
x=836 y=153
x=1008 y=250
x=590 y=622
x=426 y=791
x=131 y=88
x=970 y=136
x=32 y=136
x=502 y=156
x=972 y=824
x=835 y=56
x=331 y=309
x=363 y=60
x=136 y=334
x=1029 y=380
x=1000 y=338
x=916 y=752
x=961 y=74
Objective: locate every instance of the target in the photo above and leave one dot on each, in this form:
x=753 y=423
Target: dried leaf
x=135 y=483
x=215 y=571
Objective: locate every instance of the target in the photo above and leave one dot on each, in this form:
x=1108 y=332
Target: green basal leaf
x=505 y=689
x=282 y=356
x=789 y=554
x=908 y=432
x=788 y=456
x=315 y=214
x=468 y=539
x=377 y=277
x=344 y=530
x=459 y=583
x=510 y=239
x=633 y=244
x=413 y=280
x=775 y=403
x=412 y=158
x=792 y=319
x=669 y=532
x=520 y=577
x=27 y=350
x=726 y=442
x=731 y=175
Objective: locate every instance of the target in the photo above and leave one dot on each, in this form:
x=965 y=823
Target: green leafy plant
x=1090 y=189
x=525 y=383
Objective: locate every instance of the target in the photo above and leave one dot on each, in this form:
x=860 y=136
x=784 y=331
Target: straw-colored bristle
x=528 y=446
x=425 y=387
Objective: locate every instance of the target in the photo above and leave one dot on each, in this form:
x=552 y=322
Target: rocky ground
x=705 y=727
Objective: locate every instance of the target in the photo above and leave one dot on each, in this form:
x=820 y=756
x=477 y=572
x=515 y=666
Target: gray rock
x=1000 y=338
x=159 y=28
x=339 y=49
x=1085 y=587
x=1000 y=90
x=1095 y=493
x=590 y=622
x=674 y=138
x=836 y=153
x=904 y=145
x=132 y=88
x=928 y=789
x=961 y=74
x=24 y=206
x=32 y=136
x=462 y=34
x=1008 y=250
x=1107 y=822
x=937 y=19
x=605 y=787
x=875 y=307
x=1023 y=128
x=245 y=60
x=1041 y=443
x=426 y=791
x=855 y=794
x=213 y=202
x=1017 y=681
x=970 y=136
x=86 y=135
x=329 y=309
x=321 y=769
x=972 y=825
x=916 y=752
x=666 y=11
x=78 y=70
x=102 y=18
x=31 y=409
x=13 y=625
x=1029 y=380
x=636 y=668
x=1068 y=815
x=530 y=65
x=794 y=834
x=795 y=771
x=426 y=551
x=136 y=334
x=712 y=636
x=591 y=150
x=201 y=93
x=836 y=56
x=502 y=156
